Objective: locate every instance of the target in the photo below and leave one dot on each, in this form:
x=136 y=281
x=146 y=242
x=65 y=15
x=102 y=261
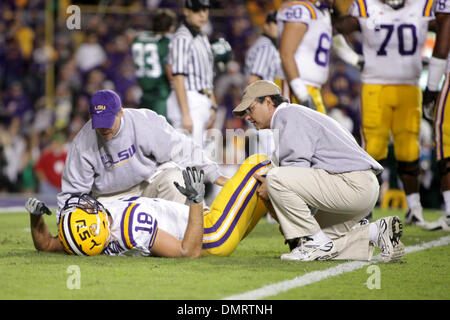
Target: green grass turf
x=28 y=274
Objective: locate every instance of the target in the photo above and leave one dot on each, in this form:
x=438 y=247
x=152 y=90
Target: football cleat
x=388 y=239
x=443 y=223
x=414 y=217
x=83 y=226
x=308 y=250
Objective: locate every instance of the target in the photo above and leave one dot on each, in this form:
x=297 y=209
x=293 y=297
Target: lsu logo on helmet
x=84 y=226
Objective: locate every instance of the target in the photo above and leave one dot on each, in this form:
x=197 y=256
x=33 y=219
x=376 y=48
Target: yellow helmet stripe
x=63 y=236
x=67 y=230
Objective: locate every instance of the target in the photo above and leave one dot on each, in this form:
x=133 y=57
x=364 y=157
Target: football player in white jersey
x=439 y=111
x=393 y=33
x=305 y=43
x=146 y=226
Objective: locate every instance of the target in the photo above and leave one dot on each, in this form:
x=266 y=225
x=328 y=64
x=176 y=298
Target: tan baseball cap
x=260 y=88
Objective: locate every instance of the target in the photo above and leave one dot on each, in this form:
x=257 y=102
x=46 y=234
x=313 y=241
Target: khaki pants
x=342 y=201
x=160 y=185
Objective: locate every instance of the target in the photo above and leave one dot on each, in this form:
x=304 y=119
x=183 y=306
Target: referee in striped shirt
x=191 y=103
x=262 y=61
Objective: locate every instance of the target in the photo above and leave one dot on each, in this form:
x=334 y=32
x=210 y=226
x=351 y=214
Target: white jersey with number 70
x=392 y=40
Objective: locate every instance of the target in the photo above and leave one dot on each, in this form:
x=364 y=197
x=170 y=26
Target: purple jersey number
x=322 y=56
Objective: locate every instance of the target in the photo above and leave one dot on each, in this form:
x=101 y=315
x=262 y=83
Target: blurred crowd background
x=36 y=125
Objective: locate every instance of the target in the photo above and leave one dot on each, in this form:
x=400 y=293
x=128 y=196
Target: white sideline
x=316 y=276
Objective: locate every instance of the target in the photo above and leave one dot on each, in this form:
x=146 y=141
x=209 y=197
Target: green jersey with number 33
x=149 y=54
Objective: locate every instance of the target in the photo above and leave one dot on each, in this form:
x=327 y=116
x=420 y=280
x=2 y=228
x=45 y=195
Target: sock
x=413 y=200
x=446 y=195
x=373 y=232
x=320 y=237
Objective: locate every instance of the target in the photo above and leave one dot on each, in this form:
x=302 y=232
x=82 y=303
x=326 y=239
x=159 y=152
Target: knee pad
x=410 y=168
x=406 y=146
x=376 y=145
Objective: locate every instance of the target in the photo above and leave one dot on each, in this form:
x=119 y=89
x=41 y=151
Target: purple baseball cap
x=104 y=106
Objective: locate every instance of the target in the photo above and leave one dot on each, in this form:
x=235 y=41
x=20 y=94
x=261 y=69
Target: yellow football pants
x=442 y=122
x=391 y=109
x=236 y=210
x=313 y=91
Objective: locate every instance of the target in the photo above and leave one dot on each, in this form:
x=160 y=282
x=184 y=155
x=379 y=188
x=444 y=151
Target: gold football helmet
x=84 y=226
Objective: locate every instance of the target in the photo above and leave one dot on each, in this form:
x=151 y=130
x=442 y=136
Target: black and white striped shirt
x=191 y=56
x=263 y=59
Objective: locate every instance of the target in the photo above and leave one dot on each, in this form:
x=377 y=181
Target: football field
x=254 y=271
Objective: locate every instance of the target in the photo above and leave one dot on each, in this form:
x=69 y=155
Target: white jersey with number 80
x=392 y=40
x=313 y=53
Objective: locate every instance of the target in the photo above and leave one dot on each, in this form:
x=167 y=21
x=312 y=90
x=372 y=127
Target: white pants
x=342 y=201
x=199 y=107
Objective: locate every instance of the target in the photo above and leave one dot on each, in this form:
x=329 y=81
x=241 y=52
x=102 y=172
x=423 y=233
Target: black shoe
x=293 y=243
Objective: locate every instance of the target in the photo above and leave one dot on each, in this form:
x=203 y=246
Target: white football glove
x=36 y=207
x=301 y=92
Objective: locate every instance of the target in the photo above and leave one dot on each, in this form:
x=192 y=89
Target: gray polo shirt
x=144 y=142
x=307 y=138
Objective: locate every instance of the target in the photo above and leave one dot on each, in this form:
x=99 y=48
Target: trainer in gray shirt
x=119 y=149
x=304 y=137
x=321 y=166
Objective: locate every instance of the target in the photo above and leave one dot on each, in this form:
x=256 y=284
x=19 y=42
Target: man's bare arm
x=168 y=246
x=42 y=238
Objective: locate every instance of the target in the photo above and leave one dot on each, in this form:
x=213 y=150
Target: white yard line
x=316 y=276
